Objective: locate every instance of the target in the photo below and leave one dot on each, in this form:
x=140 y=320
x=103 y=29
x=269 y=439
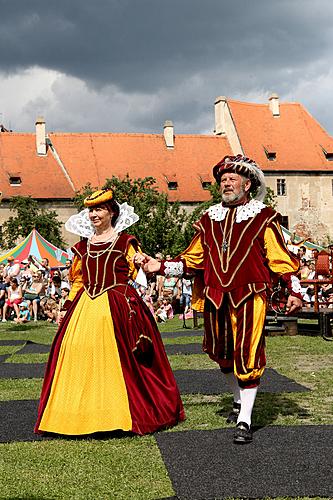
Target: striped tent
x=293 y=242
x=34 y=244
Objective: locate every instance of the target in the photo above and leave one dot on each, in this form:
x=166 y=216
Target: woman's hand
x=148 y=264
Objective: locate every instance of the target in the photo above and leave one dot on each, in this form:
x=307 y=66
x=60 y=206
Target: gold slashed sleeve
x=194 y=259
x=75 y=278
x=131 y=251
x=280 y=261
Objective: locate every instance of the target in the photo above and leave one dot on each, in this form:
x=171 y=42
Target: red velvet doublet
x=240 y=268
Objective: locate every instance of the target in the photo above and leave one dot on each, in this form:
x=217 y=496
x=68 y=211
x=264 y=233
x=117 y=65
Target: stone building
x=292 y=148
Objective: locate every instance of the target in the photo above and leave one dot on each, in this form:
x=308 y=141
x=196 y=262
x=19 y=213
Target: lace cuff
x=293 y=285
x=174 y=268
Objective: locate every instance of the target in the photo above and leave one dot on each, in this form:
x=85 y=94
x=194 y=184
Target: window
x=281 y=187
x=271 y=155
x=15 y=180
x=172 y=185
x=285 y=221
x=206 y=184
x=328 y=154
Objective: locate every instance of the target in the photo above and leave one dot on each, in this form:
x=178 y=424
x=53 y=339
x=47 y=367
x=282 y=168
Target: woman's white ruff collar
x=243 y=212
x=80 y=223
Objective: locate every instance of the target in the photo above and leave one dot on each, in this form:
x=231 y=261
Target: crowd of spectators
x=30 y=290
x=307 y=271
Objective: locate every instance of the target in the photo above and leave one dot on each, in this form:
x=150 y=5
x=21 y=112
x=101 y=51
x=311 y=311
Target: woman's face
x=100 y=217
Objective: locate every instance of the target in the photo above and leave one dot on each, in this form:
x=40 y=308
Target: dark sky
x=129 y=65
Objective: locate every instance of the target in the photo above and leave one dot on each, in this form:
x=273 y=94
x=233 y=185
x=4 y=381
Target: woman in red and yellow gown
x=107 y=369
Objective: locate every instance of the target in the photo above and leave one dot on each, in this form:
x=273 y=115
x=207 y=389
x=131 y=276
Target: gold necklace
x=226 y=237
x=99 y=253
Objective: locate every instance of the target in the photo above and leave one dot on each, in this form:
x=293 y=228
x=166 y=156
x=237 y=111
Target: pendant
x=224 y=246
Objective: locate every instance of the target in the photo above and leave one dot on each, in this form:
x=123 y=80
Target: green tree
x=161 y=224
x=29 y=215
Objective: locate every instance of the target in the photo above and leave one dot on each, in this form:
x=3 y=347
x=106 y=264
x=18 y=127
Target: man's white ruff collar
x=243 y=212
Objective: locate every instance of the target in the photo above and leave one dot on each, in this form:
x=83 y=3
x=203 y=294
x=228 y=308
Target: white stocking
x=247 y=397
x=233 y=386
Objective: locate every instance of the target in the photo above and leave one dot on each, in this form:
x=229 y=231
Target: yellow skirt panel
x=88 y=392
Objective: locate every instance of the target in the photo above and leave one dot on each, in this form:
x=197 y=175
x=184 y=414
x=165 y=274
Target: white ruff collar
x=243 y=212
x=80 y=223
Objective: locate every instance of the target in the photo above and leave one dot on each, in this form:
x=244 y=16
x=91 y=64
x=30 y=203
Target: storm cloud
x=128 y=65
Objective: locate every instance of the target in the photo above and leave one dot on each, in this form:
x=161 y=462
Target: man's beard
x=231 y=198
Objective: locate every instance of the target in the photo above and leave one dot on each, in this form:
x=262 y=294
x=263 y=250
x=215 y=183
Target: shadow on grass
x=21 y=328
x=268 y=408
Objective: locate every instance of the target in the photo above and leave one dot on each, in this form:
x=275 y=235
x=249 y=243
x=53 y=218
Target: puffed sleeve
x=76 y=281
x=280 y=260
x=131 y=251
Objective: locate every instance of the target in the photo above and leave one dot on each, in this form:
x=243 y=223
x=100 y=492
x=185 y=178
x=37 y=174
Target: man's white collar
x=243 y=212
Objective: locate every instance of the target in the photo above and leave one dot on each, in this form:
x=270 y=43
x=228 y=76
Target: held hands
x=293 y=304
x=147 y=263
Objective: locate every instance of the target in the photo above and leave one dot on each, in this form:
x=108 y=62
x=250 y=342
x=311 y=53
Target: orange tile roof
x=96 y=157
x=41 y=176
x=295 y=136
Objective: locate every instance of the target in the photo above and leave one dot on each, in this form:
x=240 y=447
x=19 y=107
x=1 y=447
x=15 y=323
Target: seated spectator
x=12 y=269
x=34 y=291
x=164 y=310
x=14 y=292
x=24 y=313
x=51 y=310
x=26 y=271
x=54 y=290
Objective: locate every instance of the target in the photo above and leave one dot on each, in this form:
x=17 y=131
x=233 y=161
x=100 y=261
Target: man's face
x=234 y=188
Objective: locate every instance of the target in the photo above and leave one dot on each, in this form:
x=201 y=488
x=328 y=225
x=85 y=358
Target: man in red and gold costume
x=237 y=249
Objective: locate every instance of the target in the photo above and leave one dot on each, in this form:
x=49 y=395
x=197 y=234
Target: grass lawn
x=132 y=467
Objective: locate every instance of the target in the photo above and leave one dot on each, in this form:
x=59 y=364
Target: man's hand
x=293 y=304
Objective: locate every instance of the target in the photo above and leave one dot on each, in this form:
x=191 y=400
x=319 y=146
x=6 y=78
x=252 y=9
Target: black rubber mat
x=213 y=382
x=17 y=421
x=22 y=370
x=182 y=333
x=12 y=342
x=32 y=348
x=280 y=462
x=184 y=348
x=3 y=357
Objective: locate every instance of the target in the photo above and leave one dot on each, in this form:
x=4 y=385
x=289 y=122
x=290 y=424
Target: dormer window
x=206 y=184
x=15 y=180
x=172 y=185
x=328 y=154
x=270 y=155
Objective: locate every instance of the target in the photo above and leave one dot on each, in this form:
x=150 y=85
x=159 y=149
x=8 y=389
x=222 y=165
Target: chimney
x=40 y=136
x=220 y=125
x=169 y=134
x=274 y=105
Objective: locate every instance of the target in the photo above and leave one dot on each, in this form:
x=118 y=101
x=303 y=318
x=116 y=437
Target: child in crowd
x=164 y=310
x=24 y=313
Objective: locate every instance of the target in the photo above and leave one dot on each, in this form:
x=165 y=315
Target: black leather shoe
x=242 y=434
x=233 y=415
